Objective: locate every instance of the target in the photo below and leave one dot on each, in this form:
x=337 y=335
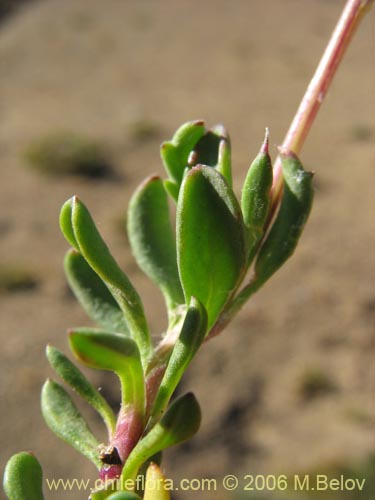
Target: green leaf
x=124 y=495
x=175 y=153
x=114 y=352
x=224 y=164
x=179 y=423
x=110 y=494
x=172 y=189
x=66 y=223
x=93 y=294
x=105 y=492
x=293 y=213
x=23 y=478
x=211 y=246
x=190 y=339
x=213 y=150
x=63 y=418
x=154 y=459
x=79 y=383
x=95 y=251
x=152 y=239
x=255 y=201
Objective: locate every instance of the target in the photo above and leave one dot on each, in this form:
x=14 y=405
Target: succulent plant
x=220 y=252
x=221 y=247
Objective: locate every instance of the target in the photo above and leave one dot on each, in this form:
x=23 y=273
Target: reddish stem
x=128 y=431
x=317 y=89
x=300 y=126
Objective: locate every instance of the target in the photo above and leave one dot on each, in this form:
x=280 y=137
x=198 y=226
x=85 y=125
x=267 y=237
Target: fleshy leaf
x=211 y=246
x=190 y=339
x=155 y=484
x=179 y=423
x=23 y=478
x=63 y=418
x=255 y=201
x=293 y=213
x=124 y=495
x=172 y=189
x=95 y=251
x=152 y=239
x=93 y=294
x=79 y=383
x=224 y=165
x=66 y=223
x=114 y=352
x=213 y=150
x=103 y=493
x=175 y=153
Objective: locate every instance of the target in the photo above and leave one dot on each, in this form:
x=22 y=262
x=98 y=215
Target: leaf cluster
x=221 y=250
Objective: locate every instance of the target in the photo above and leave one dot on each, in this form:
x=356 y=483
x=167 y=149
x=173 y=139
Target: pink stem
x=317 y=89
x=128 y=431
x=300 y=126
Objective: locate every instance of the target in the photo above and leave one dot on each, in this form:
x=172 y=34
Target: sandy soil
x=99 y=67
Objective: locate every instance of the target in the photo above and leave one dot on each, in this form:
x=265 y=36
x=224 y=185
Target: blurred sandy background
x=289 y=386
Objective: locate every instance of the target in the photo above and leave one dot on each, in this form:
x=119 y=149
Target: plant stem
x=317 y=89
x=300 y=126
x=233 y=307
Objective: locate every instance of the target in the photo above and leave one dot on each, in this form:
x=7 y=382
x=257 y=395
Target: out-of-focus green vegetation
x=362 y=132
x=68 y=153
x=314 y=382
x=14 y=278
x=144 y=130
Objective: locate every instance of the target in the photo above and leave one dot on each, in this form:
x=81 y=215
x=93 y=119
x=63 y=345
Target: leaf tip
x=220 y=130
x=165 y=145
x=198 y=123
x=265 y=146
x=286 y=153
